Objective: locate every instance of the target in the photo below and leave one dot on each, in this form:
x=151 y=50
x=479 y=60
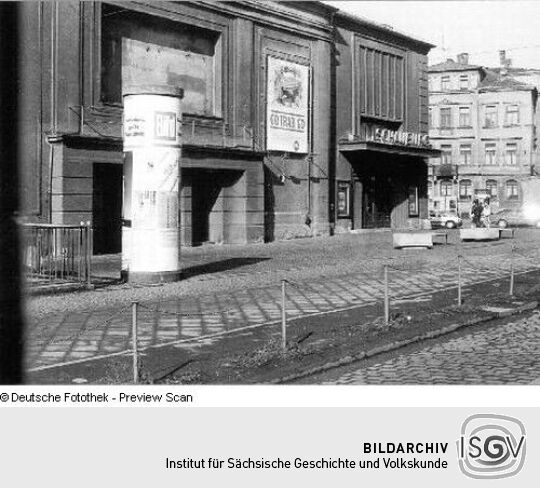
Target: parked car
x=448 y=220
x=516 y=217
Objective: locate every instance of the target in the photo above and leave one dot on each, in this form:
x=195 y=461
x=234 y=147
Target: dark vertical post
x=11 y=322
x=386 y=297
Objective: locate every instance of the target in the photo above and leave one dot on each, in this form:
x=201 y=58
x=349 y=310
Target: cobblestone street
x=503 y=354
x=87 y=330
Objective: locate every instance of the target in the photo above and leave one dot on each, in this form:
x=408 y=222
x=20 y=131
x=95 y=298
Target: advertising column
x=152 y=152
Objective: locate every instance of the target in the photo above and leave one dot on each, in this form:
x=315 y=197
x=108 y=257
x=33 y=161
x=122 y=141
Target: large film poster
x=287 y=109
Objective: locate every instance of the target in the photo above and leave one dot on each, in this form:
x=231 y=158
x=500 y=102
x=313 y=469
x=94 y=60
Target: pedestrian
x=475 y=213
x=486 y=213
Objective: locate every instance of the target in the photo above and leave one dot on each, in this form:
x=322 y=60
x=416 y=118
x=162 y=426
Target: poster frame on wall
x=277 y=138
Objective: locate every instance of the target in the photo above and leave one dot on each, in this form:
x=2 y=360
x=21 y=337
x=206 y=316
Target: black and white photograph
x=269 y=193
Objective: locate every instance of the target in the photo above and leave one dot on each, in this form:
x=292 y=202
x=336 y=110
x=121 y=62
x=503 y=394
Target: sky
x=481 y=28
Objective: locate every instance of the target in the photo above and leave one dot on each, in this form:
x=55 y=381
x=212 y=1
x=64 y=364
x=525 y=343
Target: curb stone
x=393 y=346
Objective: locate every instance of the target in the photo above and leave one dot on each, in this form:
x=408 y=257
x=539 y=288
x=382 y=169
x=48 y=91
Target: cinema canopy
x=297 y=120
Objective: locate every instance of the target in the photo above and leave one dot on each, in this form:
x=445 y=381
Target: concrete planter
x=479 y=234
x=412 y=239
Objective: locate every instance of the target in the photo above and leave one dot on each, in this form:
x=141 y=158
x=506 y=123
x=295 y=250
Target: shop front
x=389 y=179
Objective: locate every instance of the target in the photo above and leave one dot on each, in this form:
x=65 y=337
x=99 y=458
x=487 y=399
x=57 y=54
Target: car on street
x=516 y=217
x=448 y=220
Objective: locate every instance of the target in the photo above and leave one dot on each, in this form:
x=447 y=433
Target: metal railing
x=57 y=253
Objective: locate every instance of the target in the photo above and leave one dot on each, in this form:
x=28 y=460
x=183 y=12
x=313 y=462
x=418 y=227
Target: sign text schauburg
x=396 y=137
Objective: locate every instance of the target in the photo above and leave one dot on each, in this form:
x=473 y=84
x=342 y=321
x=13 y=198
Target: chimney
x=463 y=58
x=504 y=62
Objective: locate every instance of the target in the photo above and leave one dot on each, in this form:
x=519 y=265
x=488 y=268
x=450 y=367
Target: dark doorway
x=210 y=203
x=377 y=205
x=107 y=208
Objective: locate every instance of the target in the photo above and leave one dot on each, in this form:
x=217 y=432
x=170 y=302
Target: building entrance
x=377 y=202
x=107 y=208
x=217 y=206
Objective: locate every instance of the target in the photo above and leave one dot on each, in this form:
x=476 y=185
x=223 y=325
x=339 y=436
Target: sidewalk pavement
x=324 y=275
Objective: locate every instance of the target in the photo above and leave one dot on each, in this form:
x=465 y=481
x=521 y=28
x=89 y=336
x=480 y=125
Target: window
x=446 y=156
x=445 y=83
x=446 y=118
x=465 y=189
x=465 y=151
x=491 y=187
x=430 y=115
x=380 y=78
x=511 y=116
x=413 y=201
x=491 y=153
x=491 y=119
x=511 y=190
x=464 y=82
x=510 y=154
x=446 y=188
x=430 y=189
x=343 y=199
x=144 y=49
x=464 y=116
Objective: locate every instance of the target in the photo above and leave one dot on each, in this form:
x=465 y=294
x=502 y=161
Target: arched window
x=492 y=188
x=512 y=190
x=446 y=188
x=465 y=189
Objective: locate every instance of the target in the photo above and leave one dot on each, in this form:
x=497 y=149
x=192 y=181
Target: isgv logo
x=491 y=446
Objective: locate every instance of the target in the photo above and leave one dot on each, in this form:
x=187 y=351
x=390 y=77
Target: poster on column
x=287 y=106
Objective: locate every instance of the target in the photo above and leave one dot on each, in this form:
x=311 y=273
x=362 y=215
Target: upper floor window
x=465 y=154
x=446 y=117
x=446 y=188
x=510 y=154
x=491 y=187
x=491 y=119
x=512 y=190
x=445 y=83
x=464 y=116
x=145 y=49
x=491 y=153
x=446 y=156
x=463 y=82
x=380 y=79
x=511 y=115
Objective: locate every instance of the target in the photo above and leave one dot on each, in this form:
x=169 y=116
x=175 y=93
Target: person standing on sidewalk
x=476 y=211
x=486 y=213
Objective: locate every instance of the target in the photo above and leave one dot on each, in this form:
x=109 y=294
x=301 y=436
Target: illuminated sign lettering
x=395 y=137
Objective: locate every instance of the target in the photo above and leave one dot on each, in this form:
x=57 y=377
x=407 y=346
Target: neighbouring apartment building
x=298 y=120
x=484 y=123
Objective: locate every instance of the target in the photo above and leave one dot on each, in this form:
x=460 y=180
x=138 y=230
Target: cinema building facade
x=297 y=120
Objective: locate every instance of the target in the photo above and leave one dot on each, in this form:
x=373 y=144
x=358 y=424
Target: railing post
x=89 y=245
x=459 y=281
x=134 y=341
x=283 y=318
x=386 y=297
x=512 y=270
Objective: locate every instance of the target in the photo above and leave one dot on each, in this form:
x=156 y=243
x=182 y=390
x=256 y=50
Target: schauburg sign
x=387 y=136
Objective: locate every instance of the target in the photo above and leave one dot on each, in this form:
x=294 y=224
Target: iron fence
x=57 y=253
